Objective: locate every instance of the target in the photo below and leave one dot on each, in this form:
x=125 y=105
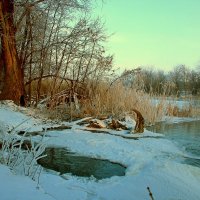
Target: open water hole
x=63 y=161
x=186 y=135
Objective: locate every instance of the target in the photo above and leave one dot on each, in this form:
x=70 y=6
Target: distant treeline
x=180 y=81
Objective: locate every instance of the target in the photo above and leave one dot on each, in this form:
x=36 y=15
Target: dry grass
x=189 y=110
x=116 y=101
x=173 y=110
x=119 y=101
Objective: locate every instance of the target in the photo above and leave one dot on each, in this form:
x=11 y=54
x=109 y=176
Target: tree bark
x=13 y=80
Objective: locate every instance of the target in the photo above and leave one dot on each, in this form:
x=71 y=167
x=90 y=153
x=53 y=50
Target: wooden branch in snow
x=150 y=193
x=139 y=127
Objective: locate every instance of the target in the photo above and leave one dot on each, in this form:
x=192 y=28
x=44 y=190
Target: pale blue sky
x=160 y=33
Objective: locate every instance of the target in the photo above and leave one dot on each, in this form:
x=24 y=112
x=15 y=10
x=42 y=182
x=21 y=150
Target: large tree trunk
x=13 y=83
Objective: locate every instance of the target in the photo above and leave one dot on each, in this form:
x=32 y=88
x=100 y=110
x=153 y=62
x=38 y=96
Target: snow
x=151 y=161
x=18 y=187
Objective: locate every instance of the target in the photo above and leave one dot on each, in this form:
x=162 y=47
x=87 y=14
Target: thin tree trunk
x=30 y=66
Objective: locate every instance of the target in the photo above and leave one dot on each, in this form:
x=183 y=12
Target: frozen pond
x=63 y=161
x=186 y=135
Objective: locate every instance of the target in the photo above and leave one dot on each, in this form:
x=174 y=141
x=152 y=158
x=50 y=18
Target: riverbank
x=151 y=162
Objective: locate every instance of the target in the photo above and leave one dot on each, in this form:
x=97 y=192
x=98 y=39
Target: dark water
x=186 y=135
x=63 y=161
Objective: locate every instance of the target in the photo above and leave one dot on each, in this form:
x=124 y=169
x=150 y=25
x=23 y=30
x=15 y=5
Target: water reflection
x=63 y=161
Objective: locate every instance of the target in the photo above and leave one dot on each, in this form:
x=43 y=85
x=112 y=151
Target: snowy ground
x=151 y=162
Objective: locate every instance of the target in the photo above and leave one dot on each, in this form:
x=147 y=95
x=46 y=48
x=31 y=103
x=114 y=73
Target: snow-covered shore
x=151 y=162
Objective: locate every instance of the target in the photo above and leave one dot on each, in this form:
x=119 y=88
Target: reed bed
x=117 y=101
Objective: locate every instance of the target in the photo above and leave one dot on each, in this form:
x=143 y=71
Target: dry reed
x=117 y=101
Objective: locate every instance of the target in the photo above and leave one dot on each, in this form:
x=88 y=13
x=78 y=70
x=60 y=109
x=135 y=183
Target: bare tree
x=49 y=40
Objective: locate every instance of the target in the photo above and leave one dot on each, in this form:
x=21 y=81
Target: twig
x=150 y=193
x=124 y=74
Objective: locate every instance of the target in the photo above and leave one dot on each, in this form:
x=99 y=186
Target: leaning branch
x=47 y=76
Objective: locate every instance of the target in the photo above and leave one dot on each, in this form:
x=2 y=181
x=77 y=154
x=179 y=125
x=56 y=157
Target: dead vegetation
x=108 y=98
x=105 y=101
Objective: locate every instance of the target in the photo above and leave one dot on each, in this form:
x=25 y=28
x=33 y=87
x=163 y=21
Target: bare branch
x=28 y=8
x=48 y=76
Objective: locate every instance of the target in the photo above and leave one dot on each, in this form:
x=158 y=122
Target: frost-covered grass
x=20 y=157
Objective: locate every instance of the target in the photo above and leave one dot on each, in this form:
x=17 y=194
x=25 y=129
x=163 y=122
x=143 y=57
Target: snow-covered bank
x=151 y=161
x=13 y=187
